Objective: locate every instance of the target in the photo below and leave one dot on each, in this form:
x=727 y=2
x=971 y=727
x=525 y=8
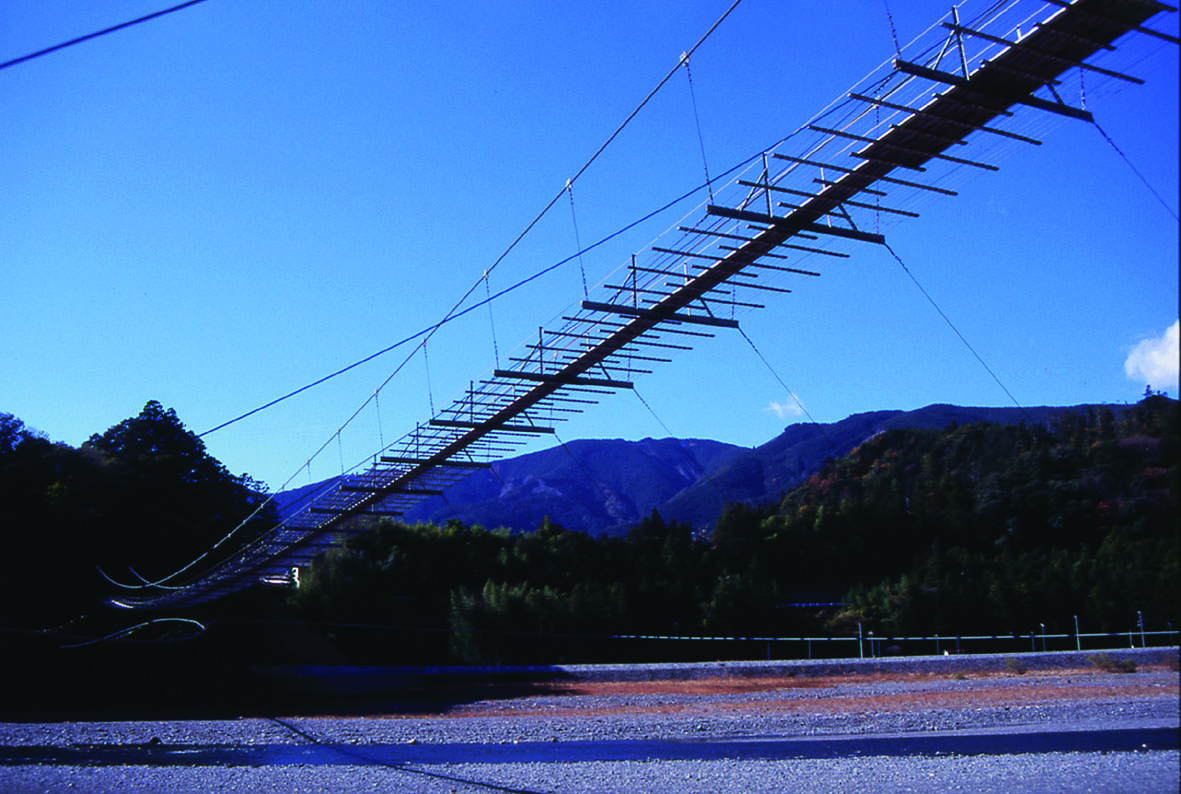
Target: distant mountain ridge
x=595 y=486
x=765 y=472
x=607 y=485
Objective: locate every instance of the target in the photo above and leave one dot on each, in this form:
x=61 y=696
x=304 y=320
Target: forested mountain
x=762 y=474
x=608 y=485
x=975 y=528
x=596 y=486
x=593 y=485
x=987 y=527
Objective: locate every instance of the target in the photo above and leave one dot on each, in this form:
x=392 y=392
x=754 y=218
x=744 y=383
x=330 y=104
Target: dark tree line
x=980 y=528
x=997 y=528
x=469 y=594
x=139 y=500
x=973 y=529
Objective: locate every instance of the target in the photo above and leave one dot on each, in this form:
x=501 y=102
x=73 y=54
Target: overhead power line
x=96 y=34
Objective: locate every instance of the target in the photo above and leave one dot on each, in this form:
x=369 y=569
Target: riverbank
x=920 y=725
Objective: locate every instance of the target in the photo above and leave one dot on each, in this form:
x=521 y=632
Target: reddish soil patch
x=783 y=695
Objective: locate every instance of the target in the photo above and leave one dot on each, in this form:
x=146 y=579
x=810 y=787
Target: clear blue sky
x=216 y=207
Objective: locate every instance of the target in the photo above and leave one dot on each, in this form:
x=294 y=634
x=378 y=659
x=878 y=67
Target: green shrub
x=1016 y=666
x=1110 y=664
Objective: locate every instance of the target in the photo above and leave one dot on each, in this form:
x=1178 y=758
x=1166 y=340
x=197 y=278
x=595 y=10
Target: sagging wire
x=203 y=555
x=316 y=454
x=697 y=121
x=430 y=393
x=962 y=338
x=455 y=311
x=607 y=497
x=143 y=579
x=1135 y=170
x=117 y=635
x=681 y=445
x=610 y=139
x=455 y=315
x=160 y=583
x=145 y=583
x=491 y=320
x=428 y=331
x=577 y=242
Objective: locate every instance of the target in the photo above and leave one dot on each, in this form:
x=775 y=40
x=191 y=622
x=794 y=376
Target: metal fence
x=869 y=645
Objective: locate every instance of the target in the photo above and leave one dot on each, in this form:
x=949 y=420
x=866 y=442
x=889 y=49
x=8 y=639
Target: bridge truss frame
x=890 y=145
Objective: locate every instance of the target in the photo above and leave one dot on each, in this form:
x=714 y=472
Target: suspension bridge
x=945 y=108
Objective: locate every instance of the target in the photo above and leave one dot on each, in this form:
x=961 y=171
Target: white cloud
x=787 y=409
x=1154 y=361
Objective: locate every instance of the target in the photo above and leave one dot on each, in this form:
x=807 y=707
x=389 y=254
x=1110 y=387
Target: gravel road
x=916 y=728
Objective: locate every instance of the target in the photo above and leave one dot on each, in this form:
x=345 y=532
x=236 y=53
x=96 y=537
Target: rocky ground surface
x=987 y=726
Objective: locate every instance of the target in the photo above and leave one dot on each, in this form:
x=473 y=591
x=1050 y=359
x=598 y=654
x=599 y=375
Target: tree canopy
x=173 y=499
x=144 y=495
x=979 y=528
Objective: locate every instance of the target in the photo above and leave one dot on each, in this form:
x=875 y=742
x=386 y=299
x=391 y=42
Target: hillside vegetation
x=971 y=528
x=605 y=486
x=136 y=502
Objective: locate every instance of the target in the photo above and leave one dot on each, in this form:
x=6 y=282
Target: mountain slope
x=608 y=485
x=763 y=473
x=590 y=485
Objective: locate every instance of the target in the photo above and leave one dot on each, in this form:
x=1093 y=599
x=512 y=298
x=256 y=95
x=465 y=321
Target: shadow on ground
x=226 y=678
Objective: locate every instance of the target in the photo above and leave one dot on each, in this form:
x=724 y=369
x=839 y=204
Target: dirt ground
x=878 y=692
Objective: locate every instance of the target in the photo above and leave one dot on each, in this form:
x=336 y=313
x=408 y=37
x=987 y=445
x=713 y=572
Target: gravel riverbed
x=982 y=727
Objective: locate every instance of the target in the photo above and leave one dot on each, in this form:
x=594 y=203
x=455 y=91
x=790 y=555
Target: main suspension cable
x=455 y=315
x=455 y=311
x=96 y=34
x=429 y=329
